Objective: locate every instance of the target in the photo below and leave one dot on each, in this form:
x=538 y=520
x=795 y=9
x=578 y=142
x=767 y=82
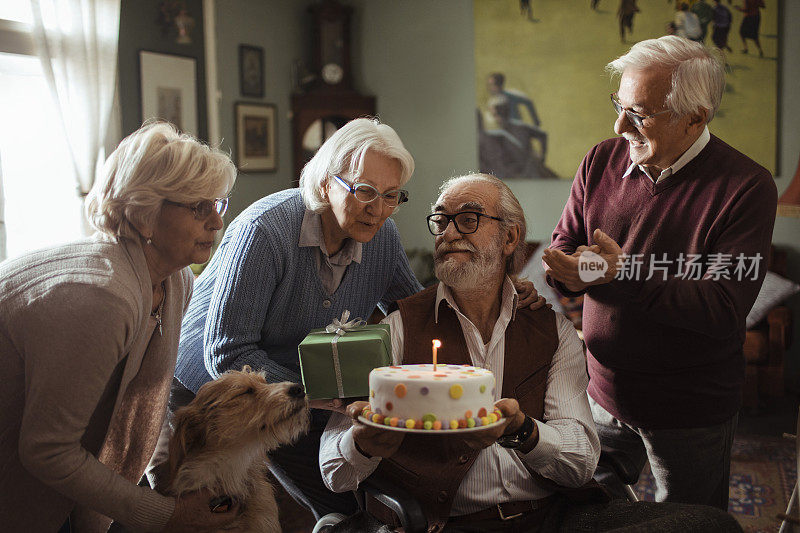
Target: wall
x=138 y=31
x=280 y=27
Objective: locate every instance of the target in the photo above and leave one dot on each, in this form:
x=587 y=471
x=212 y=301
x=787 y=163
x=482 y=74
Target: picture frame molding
x=244 y=85
x=250 y=164
x=151 y=74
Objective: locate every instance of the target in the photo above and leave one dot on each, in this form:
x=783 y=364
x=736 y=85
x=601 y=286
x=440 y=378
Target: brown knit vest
x=432 y=467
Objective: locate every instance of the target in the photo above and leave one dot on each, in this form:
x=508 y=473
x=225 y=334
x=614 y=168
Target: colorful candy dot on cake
x=424 y=391
x=454 y=424
x=417 y=424
x=393 y=421
x=485 y=421
x=378 y=411
x=410 y=423
x=387 y=421
x=429 y=417
x=413 y=377
x=389 y=406
x=456 y=391
x=401 y=422
x=470 y=422
x=427 y=424
x=462 y=423
x=471 y=370
x=378 y=419
x=396 y=367
x=468 y=414
x=400 y=390
x=366 y=413
x=498 y=413
x=437 y=424
x=482 y=388
x=492 y=418
x=481 y=412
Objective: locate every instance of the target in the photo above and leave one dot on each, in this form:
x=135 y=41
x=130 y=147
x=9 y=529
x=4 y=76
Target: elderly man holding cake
x=520 y=451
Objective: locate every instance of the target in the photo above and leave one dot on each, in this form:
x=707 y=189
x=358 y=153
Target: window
x=42 y=206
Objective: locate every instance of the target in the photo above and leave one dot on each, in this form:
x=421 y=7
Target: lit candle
x=436 y=345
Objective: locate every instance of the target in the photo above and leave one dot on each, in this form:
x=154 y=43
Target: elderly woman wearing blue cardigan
x=89 y=338
x=294 y=261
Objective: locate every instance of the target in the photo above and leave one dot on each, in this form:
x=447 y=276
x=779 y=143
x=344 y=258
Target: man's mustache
x=447 y=248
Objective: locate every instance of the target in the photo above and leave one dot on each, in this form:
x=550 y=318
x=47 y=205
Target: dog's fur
x=220 y=441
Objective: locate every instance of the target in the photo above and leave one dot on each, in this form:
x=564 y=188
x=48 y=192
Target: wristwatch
x=515 y=440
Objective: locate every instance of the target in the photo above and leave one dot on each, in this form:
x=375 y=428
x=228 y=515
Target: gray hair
x=698 y=74
x=508 y=208
x=343 y=153
x=153 y=164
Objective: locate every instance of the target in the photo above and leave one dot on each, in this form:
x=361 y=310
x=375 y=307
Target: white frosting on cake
x=415 y=392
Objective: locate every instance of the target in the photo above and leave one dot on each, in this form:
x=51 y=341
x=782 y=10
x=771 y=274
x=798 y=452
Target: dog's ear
x=187 y=437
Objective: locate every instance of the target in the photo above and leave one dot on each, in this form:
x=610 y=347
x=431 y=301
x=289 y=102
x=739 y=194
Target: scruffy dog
x=221 y=438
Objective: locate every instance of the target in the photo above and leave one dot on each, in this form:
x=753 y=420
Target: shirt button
x=442 y=497
x=326 y=303
x=463 y=459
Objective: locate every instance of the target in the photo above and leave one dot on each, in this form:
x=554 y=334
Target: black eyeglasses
x=465 y=222
x=366 y=193
x=637 y=118
x=203 y=208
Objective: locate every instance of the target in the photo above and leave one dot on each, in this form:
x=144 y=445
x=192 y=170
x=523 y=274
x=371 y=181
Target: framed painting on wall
x=251 y=71
x=542 y=94
x=168 y=88
x=256 y=137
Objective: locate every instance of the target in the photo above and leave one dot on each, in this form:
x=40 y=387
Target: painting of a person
x=751 y=23
x=721 y=24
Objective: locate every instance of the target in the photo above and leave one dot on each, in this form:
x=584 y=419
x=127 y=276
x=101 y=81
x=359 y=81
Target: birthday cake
x=419 y=397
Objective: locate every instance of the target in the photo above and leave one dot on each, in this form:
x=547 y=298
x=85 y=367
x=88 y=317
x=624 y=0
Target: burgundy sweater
x=667 y=353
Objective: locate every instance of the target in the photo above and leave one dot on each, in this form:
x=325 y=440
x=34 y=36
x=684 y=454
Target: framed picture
x=251 y=71
x=542 y=107
x=168 y=86
x=256 y=137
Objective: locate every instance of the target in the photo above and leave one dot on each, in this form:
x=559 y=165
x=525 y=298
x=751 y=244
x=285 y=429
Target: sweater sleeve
x=570 y=232
x=248 y=274
x=717 y=303
x=74 y=341
x=404 y=283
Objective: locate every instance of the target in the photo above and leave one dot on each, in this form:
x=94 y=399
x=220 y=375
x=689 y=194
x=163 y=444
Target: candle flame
x=437 y=343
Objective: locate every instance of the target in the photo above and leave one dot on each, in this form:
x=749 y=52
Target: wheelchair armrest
x=623 y=467
x=405 y=506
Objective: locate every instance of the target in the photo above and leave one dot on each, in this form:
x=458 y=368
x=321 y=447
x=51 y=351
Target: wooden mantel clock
x=330 y=101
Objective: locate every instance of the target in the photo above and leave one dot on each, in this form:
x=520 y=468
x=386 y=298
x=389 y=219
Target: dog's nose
x=296 y=391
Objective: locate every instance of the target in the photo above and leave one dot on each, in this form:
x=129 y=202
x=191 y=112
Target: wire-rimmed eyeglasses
x=203 y=208
x=364 y=192
x=466 y=222
x=636 y=118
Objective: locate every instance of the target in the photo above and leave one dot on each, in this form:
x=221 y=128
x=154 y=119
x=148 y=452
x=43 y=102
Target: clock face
x=332 y=73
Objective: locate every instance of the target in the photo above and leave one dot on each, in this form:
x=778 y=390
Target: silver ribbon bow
x=341 y=327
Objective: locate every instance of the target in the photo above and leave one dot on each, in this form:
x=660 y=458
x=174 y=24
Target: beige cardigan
x=75 y=327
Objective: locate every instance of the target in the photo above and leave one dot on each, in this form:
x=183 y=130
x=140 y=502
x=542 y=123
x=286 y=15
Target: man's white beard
x=469 y=275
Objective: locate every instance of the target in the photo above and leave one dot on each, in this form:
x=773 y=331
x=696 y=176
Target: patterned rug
x=763 y=473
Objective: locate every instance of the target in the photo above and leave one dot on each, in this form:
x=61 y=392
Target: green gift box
x=337 y=365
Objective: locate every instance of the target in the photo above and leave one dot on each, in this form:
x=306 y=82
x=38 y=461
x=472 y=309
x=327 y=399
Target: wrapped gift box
x=358 y=351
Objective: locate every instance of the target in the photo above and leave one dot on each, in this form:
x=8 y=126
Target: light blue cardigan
x=261 y=293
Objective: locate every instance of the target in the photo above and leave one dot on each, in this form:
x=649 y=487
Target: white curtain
x=77 y=41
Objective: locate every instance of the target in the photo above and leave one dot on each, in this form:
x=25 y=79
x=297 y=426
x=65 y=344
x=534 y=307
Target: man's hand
x=564 y=268
x=372 y=441
x=512 y=420
x=528 y=296
x=193 y=514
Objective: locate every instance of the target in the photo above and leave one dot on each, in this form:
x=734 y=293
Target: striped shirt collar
x=696 y=147
x=510 y=298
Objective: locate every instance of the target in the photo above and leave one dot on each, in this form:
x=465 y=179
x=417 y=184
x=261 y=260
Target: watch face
x=332 y=73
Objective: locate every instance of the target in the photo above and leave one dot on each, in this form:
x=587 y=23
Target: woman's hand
x=528 y=295
x=193 y=514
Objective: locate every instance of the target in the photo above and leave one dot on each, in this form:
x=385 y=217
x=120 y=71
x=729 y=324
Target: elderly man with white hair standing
x=666 y=232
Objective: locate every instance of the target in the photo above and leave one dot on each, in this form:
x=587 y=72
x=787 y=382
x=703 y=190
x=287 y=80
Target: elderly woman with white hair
x=294 y=261
x=89 y=338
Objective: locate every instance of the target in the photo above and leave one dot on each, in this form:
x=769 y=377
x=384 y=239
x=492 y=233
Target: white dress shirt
x=568 y=447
